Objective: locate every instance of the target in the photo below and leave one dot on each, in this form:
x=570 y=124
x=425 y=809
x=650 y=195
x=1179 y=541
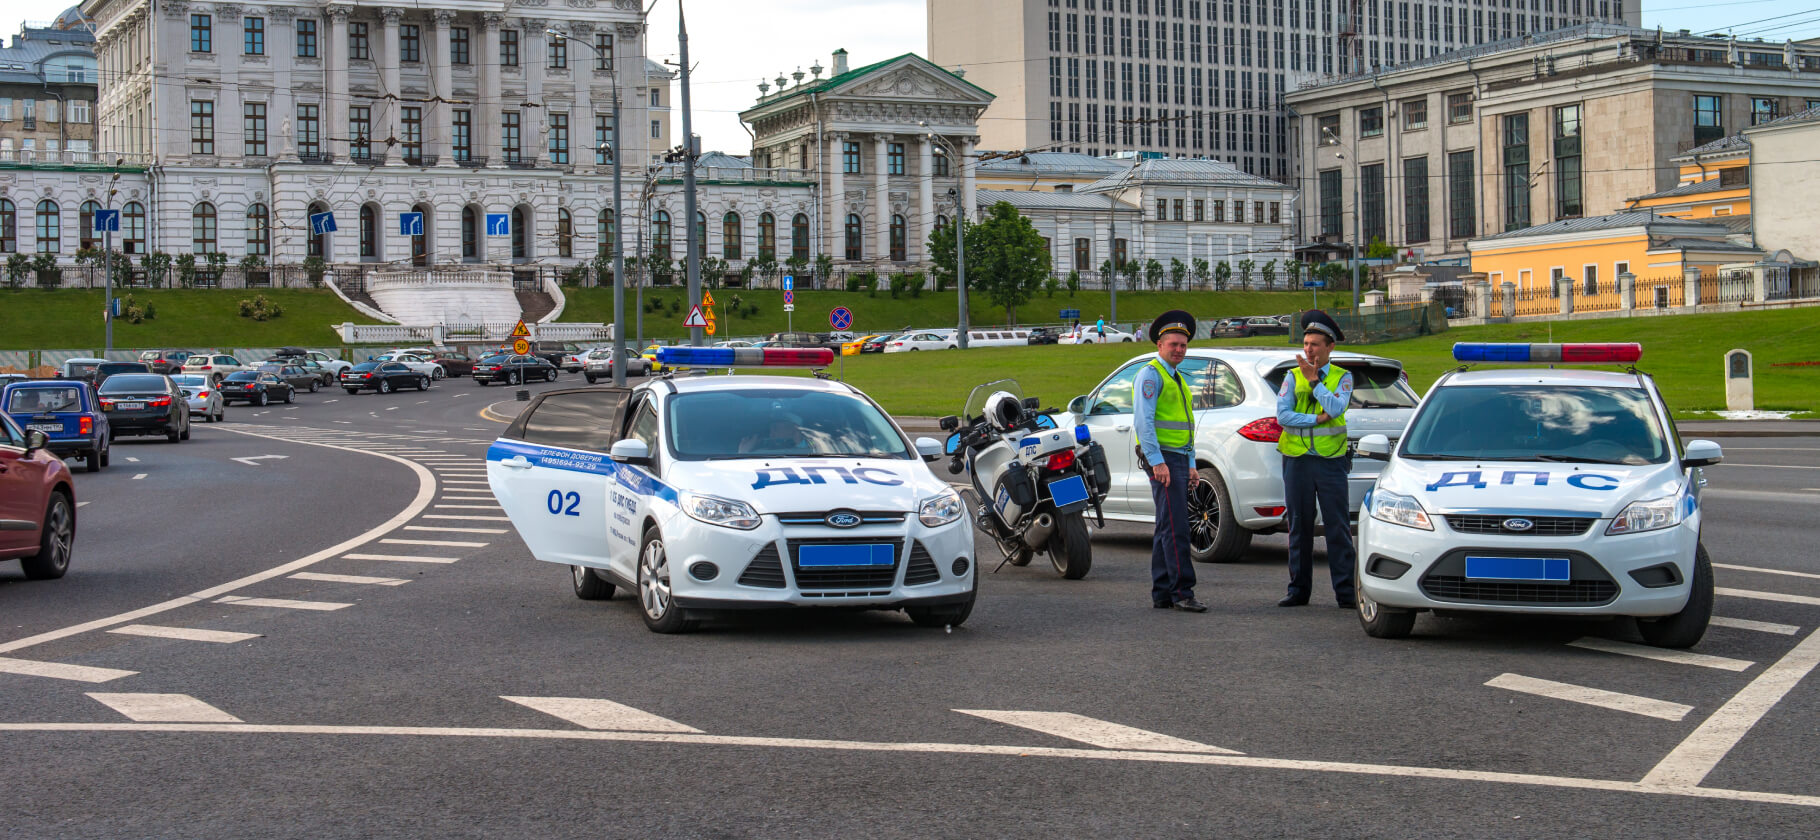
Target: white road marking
x=467 y=518
x=1760 y=626
x=1690 y=761
x=252 y=460
x=1767 y=596
x=1766 y=571
x=1678 y=657
x=139 y=476
x=443 y=543
x=60 y=671
x=338 y=399
x=470 y=507
x=282 y=603
x=186 y=633
x=1100 y=733
x=1646 y=706
x=1768 y=466
x=392 y=408
x=328 y=578
x=400 y=558
x=448 y=530
x=466 y=481
x=164 y=708
x=423 y=402
x=81 y=504
x=132 y=460
x=601 y=714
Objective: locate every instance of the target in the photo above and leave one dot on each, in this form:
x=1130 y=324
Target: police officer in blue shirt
x=1163 y=412
x=1311 y=408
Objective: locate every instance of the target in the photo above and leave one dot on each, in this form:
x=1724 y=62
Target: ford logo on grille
x=1518 y=524
x=842 y=519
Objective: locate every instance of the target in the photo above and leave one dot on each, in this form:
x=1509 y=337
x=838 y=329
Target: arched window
x=470 y=234
x=318 y=244
x=85 y=224
x=420 y=241
x=900 y=236
x=132 y=228
x=202 y=228
x=258 y=231
x=729 y=236
x=701 y=234
x=50 y=227
x=767 y=237
x=854 y=232
x=660 y=234
x=9 y=227
x=565 y=232
x=521 y=233
x=799 y=236
x=369 y=232
x=603 y=231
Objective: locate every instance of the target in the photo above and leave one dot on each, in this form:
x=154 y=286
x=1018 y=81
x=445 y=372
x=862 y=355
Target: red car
x=37 y=503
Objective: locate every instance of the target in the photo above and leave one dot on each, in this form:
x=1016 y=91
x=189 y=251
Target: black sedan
x=514 y=370
x=297 y=376
x=167 y=362
x=107 y=369
x=256 y=387
x=145 y=404
x=876 y=344
x=1044 y=335
x=384 y=377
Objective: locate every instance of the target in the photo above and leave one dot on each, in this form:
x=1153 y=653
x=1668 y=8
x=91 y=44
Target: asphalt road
x=338 y=695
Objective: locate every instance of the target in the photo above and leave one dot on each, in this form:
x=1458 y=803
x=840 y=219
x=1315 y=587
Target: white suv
x=215 y=366
x=1238 y=491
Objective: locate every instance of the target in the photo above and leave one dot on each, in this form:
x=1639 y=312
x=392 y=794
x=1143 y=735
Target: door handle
x=517 y=462
x=1121 y=428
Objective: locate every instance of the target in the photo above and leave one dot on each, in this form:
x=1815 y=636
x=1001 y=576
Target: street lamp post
x=960 y=244
x=619 y=257
x=689 y=152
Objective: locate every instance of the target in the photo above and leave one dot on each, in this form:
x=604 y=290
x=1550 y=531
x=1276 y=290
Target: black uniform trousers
x=1310 y=481
x=1171 y=570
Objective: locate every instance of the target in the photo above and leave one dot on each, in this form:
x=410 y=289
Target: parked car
x=855 y=346
x=514 y=370
x=734 y=343
x=10 y=378
x=1089 y=334
x=420 y=364
x=334 y=365
x=597 y=364
x=36 y=490
x=107 y=369
x=655 y=366
x=453 y=363
x=1227 y=327
x=323 y=375
x=1044 y=335
x=68 y=414
x=1250 y=327
x=922 y=340
x=216 y=366
x=999 y=337
x=82 y=369
x=876 y=344
x=384 y=377
x=145 y=404
x=203 y=396
x=167 y=362
x=555 y=352
x=799 y=339
x=297 y=376
x=256 y=388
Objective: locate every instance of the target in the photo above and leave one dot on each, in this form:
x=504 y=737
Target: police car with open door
x=1539 y=490
x=714 y=493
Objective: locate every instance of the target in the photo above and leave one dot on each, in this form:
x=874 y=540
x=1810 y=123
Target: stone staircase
x=534 y=305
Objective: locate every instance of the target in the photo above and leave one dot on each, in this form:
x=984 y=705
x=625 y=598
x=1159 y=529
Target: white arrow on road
x=249 y=461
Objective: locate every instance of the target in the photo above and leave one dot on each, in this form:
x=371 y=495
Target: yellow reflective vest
x=1174 y=413
x=1328 y=439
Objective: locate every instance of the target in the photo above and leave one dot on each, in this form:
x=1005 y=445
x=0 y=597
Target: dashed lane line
x=1734 y=623
x=283 y=603
x=436 y=543
x=401 y=558
x=139 y=476
x=1694 y=758
x=132 y=460
x=163 y=708
x=192 y=634
x=444 y=529
x=61 y=671
x=1646 y=706
x=360 y=579
x=469 y=507
x=1761 y=570
x=466 y=518
x=1678 y=657
x=1767 y=596
x=1099 y=733
x=592 y=713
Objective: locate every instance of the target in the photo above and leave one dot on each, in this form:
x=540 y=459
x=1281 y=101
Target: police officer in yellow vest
x=1311 y=408
x=1164 y=418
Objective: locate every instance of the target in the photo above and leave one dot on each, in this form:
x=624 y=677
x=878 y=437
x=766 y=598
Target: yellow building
x=1590 y=253
x=1714 y=184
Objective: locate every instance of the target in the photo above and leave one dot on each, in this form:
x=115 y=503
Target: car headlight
x=1399 y=509
x=940 y=510
x=1647 y=515
x=717 y=511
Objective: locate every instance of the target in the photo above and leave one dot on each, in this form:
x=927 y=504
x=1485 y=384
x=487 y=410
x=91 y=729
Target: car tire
x=512 y=378
x=423 y=383
x=315 y=384
x=656 y=602
x=185 y=434
x=216 y=379
x=385 y=386
x=91 y=460
x=551 y=376
x=1070 y=551
x=262 y=399
x=1379 y=621
x=438 y=372
x=107 y=454
x=1214 y=532
x=591 y=378
x=590 y=586
x=1684 y=629
x=220 y=415
x=54 y=542
x=946 y=615
x=290 y=396
x=351 y=391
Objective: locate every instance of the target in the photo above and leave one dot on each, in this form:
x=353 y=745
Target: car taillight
x=1270 y=511
x=88 y=425
x=202 y=394
x=495 y=367
x=208 y=367
x=159 y=401
x=1264 y=430
x=1061 y=460
x=366 y=376
x=107 y=405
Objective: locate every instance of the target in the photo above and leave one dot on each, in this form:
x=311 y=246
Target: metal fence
x=139 y=277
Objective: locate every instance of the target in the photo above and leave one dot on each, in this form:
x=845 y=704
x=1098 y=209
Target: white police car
x=1538 y=490
x=736 y=492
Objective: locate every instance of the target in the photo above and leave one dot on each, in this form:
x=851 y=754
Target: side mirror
x=1078 y=406
x=35 y=440
x=952 y=444
x=1701 y=453
x=950 y=423
x=630 y=452
x=1375 y=447
x=929 y=448
x=1032 y=403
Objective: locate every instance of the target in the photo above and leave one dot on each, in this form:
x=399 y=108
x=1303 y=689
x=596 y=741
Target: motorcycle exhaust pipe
x=1037 y=535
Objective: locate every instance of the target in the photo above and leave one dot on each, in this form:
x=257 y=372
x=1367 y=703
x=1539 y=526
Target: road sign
x=709 y=329
x=521 y=346
x=410 y=224
x=840 y=317
x=321 y=223
x=107 y=220
x=1068 y=314
x=789 y=307
x=499 y=224
x=789 y=296
x=1314 y=284
x=789 y=283
x=695 y=318
x=521 y=331
x=707 y=298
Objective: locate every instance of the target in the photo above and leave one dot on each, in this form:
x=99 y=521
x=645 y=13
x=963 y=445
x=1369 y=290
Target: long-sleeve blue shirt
x=1332 y=402
x=1144 y=391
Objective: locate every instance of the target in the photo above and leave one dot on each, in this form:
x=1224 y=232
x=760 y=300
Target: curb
x=487 y=413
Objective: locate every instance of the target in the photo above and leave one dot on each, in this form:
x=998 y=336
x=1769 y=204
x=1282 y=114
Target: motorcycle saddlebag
x=1016 y=481
x=1093 y=461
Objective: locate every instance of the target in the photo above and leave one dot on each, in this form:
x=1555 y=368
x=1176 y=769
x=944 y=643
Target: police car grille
x=1545 y=526
x=766 y=570
x=846 y=577
x=1454 y=588
x=867 y=517
x=922 y=567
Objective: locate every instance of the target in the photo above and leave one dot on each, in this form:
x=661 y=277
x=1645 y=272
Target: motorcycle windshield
x=976 y=400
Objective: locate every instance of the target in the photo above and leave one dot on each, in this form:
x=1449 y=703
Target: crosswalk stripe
x=448 y=530
x=601 y=714
x=400 y=558
x=1099 y=733
x=164 y=708
x=60 y=671
x=1678 y=657
x=281 y=603
x=328 y=578
x=1768 y=596
x=468 y=507
x=1646 y=706
x=481 y=482
x=1760 y=626
x=1759 y=570
x=467 y=518
x=192 y=634
x=443 y=543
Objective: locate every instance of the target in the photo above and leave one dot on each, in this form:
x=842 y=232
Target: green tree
x=1153 y=274
x=186 y=269
x=1131 y=269
x=1270 y=274
x=1201 y=272
x=1178 y=271
x=824 y=269
x=1222 y=275
x=17 y=267
x=941 y=256
x=1074 y=282
x=1050 y=285
x=1006 y=258
x=1292 y=271
x=1245 y=268
x=796 y=265
x=1378 y=249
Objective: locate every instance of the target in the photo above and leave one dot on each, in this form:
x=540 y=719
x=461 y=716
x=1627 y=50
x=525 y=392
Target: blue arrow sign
x=1068 y=314
x=789 y=283
x=840 y=318
x=321 y=223
x=499 y=224
x=1314 y=284
x=107 y=220
x=410 y=224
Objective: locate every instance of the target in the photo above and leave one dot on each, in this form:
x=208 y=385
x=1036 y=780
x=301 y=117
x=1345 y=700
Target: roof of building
x=656 y=70
x=1199 y=172
x=1809 y=115
x=1652 y=223
x=708 y=163
x=23 y=61
x=1728 y=143
x=1054 y=164
x=1034 y=200
x=835 y=81
x=1691 y=188
x=1736 y=224
x=1699 y=244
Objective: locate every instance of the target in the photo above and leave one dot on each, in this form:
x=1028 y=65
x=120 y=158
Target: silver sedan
x=204 y=398
x=597 y=364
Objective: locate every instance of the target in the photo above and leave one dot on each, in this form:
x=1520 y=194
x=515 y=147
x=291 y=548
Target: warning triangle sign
x=695 y=319
x=520 y=331
x=707 y=298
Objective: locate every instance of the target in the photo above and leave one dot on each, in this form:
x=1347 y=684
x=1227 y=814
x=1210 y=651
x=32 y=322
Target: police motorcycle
x=1033 y=482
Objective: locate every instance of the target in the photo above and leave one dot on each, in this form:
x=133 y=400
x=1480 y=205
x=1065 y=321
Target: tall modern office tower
x=1201 y=78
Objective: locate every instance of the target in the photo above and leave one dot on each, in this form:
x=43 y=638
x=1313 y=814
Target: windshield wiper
x=1575 y=459
x=1376 y=404
x=1447 y=458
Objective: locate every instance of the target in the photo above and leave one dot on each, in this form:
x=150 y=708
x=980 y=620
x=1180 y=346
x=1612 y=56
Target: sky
x=732 y=46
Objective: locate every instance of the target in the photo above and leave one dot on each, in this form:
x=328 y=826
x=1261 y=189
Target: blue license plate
x=810 y=556
x=1068 y=491
x=1545 y=569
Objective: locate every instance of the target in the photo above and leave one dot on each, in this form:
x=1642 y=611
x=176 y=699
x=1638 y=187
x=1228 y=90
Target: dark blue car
x=66 y=412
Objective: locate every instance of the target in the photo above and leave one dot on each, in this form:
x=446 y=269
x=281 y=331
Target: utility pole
x=960 y=264
x=693 y=259
x=1112 y=248
x=619 y=223
x=107 y=264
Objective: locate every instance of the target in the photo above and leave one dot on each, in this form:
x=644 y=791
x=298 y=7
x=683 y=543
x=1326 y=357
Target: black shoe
x=1347 y=604
x=1190 y=605
x=1161 y=605
x=1292 y=601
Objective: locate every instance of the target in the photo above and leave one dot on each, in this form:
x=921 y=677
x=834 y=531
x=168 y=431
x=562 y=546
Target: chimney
x=840 y=62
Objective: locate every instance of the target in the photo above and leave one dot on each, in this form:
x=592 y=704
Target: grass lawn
x=69 y=319
x=1684 y=353
x=882 y=313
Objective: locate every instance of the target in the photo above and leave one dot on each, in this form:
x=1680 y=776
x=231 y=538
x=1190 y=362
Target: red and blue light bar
x=730 y=357
x=1566 y=354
